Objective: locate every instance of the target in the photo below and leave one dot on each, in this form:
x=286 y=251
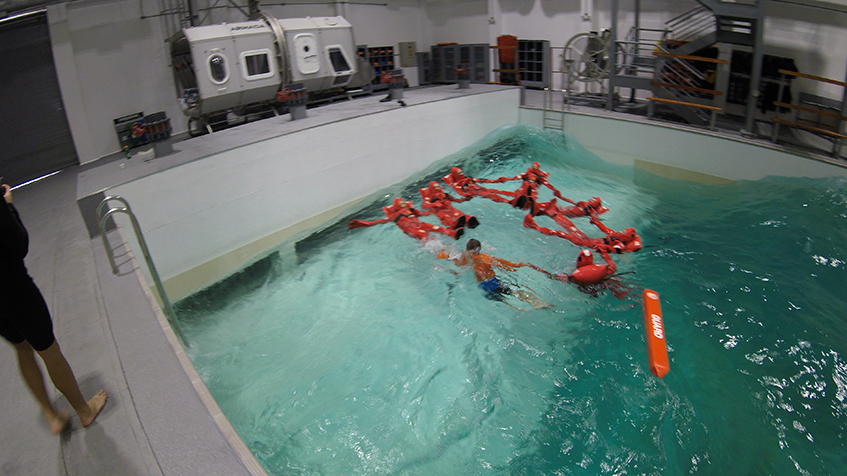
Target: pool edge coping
x=242 y=452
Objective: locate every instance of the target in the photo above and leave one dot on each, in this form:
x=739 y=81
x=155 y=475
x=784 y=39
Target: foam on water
x=361 y=353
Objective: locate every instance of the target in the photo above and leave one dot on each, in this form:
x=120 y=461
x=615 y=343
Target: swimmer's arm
x=460 y=261
x=600 y=225
x=611 y=268
x=362 y=223
x=457 y=200
x=540 y=270
x=498 y=180
x=558 y=194
x=507 y=265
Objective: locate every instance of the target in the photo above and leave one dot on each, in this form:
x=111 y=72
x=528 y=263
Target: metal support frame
x=755 y=78
x=613 y=56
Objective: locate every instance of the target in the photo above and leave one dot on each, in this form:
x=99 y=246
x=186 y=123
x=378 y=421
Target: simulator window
x=257 y=64
x=218 y=71
x=338 y=60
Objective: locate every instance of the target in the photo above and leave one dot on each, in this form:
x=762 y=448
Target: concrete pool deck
x=156 y=422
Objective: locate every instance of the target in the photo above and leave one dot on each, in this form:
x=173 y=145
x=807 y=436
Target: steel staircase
x=686 y=76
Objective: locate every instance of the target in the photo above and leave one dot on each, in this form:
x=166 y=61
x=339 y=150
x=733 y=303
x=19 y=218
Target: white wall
x=815 y=38
x=112 y=62
x=678 y=153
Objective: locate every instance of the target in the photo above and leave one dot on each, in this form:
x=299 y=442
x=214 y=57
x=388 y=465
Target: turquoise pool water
x=358 y=352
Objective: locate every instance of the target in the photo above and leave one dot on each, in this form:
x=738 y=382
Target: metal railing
x=125 y=209
x=685 y=86
x=692 y=24
x=634 y=54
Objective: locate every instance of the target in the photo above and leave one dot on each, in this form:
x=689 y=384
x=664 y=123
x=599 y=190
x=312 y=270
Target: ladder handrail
x=169 y=312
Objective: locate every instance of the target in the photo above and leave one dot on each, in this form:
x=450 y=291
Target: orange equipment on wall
x=508 y=45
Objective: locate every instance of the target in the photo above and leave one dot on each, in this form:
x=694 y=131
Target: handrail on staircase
x=691 y=24
x=837 y=112
x=678 y=78
x=704 y=59
x=684 y=16
x=812 y=77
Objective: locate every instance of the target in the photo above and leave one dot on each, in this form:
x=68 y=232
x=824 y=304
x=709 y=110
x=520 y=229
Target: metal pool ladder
x=169 y=312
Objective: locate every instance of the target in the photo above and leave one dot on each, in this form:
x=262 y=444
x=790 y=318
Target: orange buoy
x=657 y=350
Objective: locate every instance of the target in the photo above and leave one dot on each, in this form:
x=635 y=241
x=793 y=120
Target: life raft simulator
x=589 y=277
x=239 y=68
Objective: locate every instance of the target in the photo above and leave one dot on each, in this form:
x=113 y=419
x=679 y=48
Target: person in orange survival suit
x=526 y=197
x=614 y=242
x=591 y=278
x=570 y=232
x=483 y=268
x=405 y=216
x=440 y=203
x=590 y=207
x=621 y=241
x=468 y=188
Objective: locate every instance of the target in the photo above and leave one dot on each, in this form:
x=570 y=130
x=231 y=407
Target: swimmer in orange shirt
x=483 y=267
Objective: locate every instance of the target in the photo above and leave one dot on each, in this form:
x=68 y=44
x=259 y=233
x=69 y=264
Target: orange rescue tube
x=657 y=350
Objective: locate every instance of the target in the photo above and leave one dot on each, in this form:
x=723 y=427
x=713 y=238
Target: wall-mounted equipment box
x=448 y=57
x=534 y=63
x=381 y=59
x=424 y=68
x=408 y=58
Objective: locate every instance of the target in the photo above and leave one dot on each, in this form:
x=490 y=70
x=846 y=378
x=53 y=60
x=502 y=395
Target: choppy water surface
x=361 y=353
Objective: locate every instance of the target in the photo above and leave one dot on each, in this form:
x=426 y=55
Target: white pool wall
x=207 y=218
x=685 y=152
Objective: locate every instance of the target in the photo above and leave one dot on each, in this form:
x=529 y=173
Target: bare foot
x=57 y=422
x=96 y=404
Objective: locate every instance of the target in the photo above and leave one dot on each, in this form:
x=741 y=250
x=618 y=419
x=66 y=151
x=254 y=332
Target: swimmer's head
x=398 y=201
x=535 y=166
x=473 y=245
x=585 y=258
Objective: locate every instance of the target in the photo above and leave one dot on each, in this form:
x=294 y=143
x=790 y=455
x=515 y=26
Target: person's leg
x=63 y=378
x=31 y=373
x=531 y=299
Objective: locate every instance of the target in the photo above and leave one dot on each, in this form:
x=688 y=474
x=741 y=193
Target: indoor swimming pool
x=359 y=352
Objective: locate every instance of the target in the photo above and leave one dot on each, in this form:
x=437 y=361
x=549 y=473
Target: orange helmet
x=585 y=258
